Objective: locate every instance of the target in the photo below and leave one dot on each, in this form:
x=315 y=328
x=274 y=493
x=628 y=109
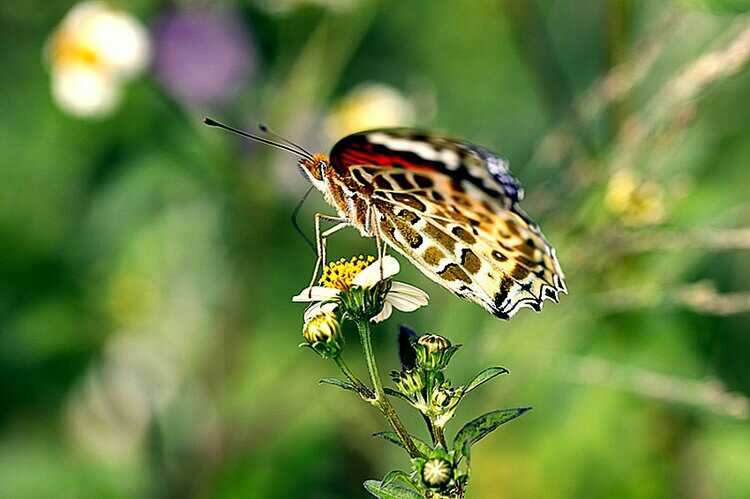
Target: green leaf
x=346 y=385
x=392 y=437
x=392 y=491
x=478 y=428
x=422 y=446
x=392 y=476
x=340 y=383
x=448 y=354
x=394 y=393
x=483 y=377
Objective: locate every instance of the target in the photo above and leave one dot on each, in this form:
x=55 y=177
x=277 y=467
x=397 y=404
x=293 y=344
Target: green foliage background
x=147 y=337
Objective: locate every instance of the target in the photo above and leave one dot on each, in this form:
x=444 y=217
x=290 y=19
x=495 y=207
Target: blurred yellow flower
x=370 y=105
x=93 y=51
x=635 y=202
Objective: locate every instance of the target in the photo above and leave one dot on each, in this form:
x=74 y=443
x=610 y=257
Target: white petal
x=370 y=276
x=311 y=311
x=315 y=293
x=119 y=40
x=404 y=303
x=317 y=308
x=384 y=314
x=84 y=90
x=408 y=289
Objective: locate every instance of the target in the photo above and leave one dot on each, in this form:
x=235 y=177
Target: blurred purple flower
x=203 y=56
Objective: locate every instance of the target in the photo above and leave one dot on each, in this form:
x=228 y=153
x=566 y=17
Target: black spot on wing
x=505 y=284
x=402 y=181
x=500 y=315
x=423 y=182
x=382 y=183
x=359 y=176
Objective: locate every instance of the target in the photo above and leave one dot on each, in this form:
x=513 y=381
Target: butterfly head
x=315 y=167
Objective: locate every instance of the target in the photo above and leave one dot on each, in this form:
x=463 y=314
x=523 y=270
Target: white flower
x=342 y=275
x=91 y=54
x=82 y=90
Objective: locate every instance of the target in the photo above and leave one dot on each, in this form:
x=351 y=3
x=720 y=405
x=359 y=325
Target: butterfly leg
x=381 y=248
x=320 y=240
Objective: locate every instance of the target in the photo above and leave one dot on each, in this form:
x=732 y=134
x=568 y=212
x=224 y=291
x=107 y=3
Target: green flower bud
x=432 y=352
x=408 y=381
x=323 y=334
x=437 y=473
x=362 y=304
x=443 y=397
x=443 y=403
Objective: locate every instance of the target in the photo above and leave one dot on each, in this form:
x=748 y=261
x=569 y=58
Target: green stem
x=428 y=422
x=440 y=436
x=380 y=400
x=363 y=390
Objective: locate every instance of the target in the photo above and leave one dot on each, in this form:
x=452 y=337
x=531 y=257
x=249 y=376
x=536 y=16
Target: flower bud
x=434 y=343
x=443 y=397
x=408 y=381
x=437 y=473
x=432 y=352
x=323 y=334
x=362 y=304
x=443 y=403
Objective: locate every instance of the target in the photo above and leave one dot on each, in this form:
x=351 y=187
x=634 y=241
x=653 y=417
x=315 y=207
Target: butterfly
x=449 y=206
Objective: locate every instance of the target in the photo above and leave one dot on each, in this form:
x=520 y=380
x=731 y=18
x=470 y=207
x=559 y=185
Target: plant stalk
x=440 y=436
x=380 y=400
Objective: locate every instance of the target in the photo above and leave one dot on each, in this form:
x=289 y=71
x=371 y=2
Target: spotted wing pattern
x=461 y=161
x=451 y=208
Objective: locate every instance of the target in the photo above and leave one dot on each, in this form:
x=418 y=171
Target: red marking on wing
x=365 y=153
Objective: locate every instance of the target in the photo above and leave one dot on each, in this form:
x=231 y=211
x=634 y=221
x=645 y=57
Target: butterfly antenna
x=275 y=136
x=281 y=145
x=295 y=223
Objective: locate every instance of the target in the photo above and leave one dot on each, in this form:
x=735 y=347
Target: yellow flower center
x=340 y=274
x=65 y=48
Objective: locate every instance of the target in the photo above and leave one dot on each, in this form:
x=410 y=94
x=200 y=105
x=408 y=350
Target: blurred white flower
x=91 y=54
x=84 y=90
x=370 y=105
x=160 y=308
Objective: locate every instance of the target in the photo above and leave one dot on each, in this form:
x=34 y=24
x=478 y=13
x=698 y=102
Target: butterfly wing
x=461 y=161
x=451 y=208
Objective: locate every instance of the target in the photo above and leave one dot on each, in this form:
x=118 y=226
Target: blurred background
x=148 y=343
